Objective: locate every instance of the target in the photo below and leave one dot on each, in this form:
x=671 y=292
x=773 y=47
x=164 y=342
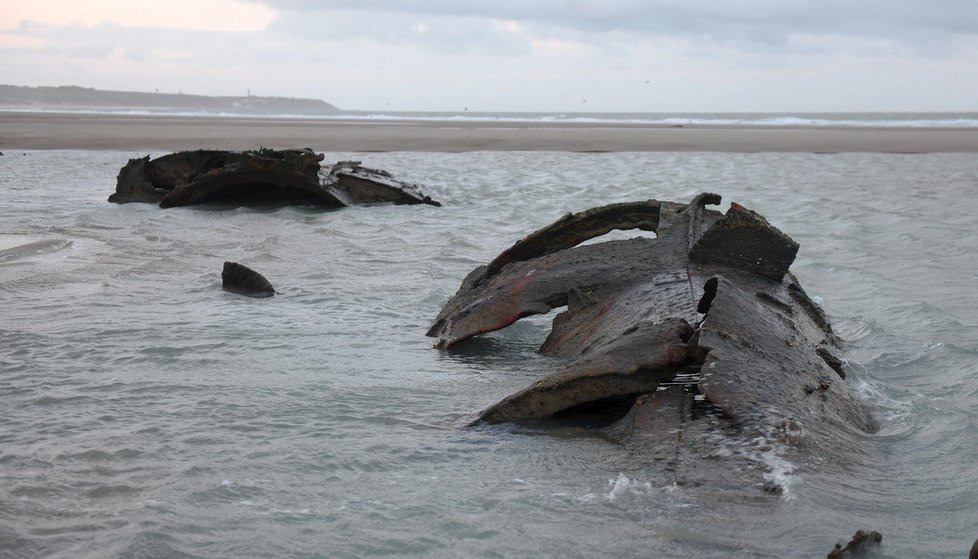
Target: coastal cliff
x=74 y=97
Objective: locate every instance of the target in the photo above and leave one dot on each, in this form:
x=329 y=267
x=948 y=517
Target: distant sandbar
x=25 y=130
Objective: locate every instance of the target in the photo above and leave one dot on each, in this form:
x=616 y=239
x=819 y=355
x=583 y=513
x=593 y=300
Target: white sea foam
x=16 y=246
x=622 y=486
x=779 y=471
x=819 y=120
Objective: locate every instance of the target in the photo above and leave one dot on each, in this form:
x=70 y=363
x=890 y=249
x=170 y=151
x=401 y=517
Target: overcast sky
x=512 y=55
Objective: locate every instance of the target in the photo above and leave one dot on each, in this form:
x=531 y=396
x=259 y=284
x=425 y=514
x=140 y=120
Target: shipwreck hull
x=261 y=177
x=698 y=333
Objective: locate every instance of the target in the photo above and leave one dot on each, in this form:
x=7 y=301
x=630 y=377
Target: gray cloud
x=442 y=34
x=623 y=55
x=761 y=21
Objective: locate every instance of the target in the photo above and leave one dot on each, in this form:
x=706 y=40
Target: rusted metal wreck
x=263 y=176
x=699 y=332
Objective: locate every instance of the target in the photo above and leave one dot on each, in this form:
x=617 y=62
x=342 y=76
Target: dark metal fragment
x=245 y=281
x=861 y=542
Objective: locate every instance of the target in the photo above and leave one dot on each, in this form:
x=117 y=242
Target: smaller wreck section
x=697 y=348
x=260 y=177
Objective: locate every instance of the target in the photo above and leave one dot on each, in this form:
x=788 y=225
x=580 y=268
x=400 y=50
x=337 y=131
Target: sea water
x=145 y=412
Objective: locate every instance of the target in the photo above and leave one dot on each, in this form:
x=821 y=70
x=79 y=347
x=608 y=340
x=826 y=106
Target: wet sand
x=170 y=133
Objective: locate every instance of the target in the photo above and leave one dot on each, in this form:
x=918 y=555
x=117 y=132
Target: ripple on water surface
x=148 y=412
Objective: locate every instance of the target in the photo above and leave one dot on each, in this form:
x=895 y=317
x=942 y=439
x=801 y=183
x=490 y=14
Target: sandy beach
x=21 y=130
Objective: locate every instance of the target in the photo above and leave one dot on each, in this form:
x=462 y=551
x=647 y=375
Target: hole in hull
x=597 y=414
x=620 y=235
x=709 y=293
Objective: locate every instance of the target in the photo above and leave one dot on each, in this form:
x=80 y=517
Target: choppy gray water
x=145 y=412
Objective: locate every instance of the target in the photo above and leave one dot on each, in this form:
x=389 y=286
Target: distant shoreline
x=93 y=131
x=70 y=97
